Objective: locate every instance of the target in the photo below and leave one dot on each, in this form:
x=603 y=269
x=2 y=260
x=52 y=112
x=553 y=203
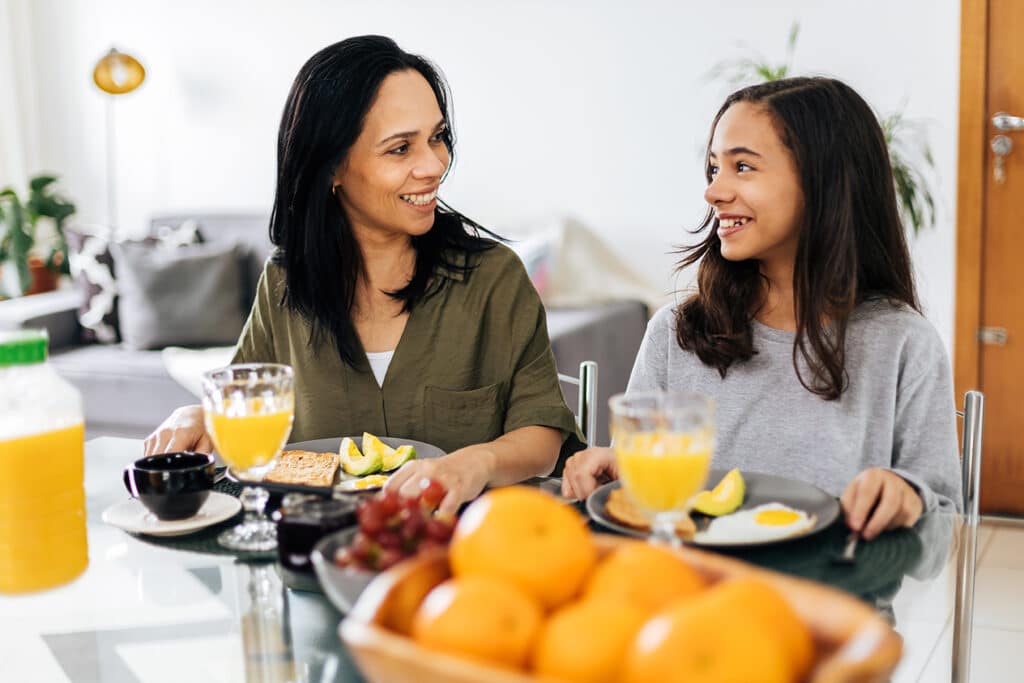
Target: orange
x=585 y=641
x=643 y=575
x=525 y=536
x=761 y=602
x=692 y=641
x=481 y=618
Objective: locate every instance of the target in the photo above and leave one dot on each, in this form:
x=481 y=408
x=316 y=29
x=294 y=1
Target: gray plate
x=423 y=450
x=760 y=489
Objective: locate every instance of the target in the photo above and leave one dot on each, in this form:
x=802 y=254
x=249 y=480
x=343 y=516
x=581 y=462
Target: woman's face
x=388 y=182
x=755 y=187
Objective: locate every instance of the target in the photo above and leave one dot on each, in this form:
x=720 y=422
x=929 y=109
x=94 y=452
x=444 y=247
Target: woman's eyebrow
x=404 y=135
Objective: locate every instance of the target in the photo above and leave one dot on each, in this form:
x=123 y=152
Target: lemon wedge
x=726 y=497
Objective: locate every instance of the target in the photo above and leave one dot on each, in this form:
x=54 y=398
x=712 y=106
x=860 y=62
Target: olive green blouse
x=474 y=362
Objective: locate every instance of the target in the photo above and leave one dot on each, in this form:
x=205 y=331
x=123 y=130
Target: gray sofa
x=128 y=392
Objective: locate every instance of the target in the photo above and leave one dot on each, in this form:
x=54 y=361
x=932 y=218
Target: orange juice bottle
x=42 y=494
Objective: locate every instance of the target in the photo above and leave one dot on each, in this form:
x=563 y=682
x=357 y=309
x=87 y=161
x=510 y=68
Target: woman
x=805 y=326
x=396 y=315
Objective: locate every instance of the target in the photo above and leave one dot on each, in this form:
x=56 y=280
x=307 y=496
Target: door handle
x=1003 y=121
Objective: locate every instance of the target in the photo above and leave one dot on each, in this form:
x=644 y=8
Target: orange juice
x=247 y=441
x=42 y=510
x=662 y=470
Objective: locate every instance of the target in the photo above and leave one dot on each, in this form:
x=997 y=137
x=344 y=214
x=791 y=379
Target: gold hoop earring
x=334 y=191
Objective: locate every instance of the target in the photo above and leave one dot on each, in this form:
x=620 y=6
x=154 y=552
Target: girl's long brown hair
x=851 y=245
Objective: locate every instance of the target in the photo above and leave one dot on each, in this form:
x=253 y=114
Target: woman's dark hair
x=851 y=245
x=322 y=119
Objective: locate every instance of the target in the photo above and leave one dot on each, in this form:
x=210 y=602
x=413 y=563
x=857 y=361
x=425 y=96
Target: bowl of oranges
x=524 y=592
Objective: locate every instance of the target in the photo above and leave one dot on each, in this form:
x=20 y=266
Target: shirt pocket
x=455 y=418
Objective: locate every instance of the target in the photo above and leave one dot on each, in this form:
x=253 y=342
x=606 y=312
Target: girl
x=805 y=327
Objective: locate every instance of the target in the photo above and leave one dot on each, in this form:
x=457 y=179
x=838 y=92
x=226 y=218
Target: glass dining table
x=146 y=613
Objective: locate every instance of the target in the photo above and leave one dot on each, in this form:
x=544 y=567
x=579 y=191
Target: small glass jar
x=302 y=520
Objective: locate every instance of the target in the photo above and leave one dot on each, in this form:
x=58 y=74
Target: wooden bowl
x=853 y=643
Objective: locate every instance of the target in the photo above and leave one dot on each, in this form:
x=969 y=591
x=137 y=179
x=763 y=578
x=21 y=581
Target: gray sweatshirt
x=897 y=412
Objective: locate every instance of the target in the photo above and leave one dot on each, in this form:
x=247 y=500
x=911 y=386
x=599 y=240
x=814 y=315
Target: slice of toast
x=304 y=467
x=620 y=508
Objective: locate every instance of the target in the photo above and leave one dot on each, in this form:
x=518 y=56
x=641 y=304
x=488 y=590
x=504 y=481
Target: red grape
x=371 y=519
x=390 y=503
x=343 y=558
x=363 y=549
x=432 y=494
x=412 y=527
x=439 y=529
x=389 y=557
x=389 y=539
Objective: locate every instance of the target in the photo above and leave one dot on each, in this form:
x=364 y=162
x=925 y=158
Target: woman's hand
x=463 y=473
x=587 y=470
x=184 y=430
x=878 y=499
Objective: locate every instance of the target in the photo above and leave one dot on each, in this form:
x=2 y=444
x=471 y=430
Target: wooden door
x=990 y=254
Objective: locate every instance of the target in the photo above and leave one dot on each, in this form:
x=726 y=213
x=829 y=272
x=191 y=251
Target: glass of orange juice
x=663 y=444
x=249 y=410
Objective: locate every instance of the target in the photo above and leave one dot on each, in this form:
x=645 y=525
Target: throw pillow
x=92 y=268
x=186 y=296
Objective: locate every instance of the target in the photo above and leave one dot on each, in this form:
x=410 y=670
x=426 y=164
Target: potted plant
x=31 y=262
x=913 y=166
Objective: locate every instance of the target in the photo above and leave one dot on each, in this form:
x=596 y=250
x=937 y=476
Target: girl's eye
x=742 y=166
x=712 y=171
x=438 y=136
x=401 y=149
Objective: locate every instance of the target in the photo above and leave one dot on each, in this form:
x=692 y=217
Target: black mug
x=171 y=485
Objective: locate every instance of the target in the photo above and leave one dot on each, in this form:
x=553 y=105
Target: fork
x=849 y=554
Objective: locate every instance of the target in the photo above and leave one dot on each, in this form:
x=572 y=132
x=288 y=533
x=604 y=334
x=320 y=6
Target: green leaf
x=39 y=183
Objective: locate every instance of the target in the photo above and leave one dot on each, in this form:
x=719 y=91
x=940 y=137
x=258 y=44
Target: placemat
x=878 y=571
x=880 y=567
x=205 y=540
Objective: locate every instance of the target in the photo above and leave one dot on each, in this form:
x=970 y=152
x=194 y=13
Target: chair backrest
x=586 y=413
x=970 y=463
x=970 y=452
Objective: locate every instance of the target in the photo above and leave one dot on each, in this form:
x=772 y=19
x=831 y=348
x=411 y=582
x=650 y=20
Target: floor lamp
x=116 y=73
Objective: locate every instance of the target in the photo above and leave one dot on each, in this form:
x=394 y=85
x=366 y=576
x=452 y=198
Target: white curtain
x=19 y=130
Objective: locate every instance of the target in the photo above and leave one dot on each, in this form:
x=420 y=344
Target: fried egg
x=368 y=483
x=768 y=522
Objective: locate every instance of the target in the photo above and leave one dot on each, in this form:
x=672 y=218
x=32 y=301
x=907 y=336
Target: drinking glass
x=249 y=411
x=663 y=444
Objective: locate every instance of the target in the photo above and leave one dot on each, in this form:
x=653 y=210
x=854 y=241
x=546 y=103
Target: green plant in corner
x=19 y=233
x=913 y=166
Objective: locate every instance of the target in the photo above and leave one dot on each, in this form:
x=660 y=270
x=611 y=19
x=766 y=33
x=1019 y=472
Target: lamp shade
x=118 y=73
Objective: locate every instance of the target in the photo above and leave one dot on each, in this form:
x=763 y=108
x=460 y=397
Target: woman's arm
x=520 y=454
x=924 y=475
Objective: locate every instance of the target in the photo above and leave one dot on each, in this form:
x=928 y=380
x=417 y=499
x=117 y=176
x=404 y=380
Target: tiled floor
x=997 y=652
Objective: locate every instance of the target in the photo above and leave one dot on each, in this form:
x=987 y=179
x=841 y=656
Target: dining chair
x=586 y=411
x=970 y=463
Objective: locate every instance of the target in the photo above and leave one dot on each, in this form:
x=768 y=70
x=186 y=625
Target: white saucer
x=132 y=516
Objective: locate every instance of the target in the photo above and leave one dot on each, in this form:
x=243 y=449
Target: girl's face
x=755 y=187
x=388 y=182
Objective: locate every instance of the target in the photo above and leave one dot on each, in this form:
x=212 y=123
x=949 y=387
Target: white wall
x=596 y=110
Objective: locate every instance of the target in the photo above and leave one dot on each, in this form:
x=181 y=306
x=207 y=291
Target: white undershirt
x=379 y=363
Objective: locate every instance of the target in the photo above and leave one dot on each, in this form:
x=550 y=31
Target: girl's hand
x=878 y=499
x=463 y=473
x=184 y=430
x=587 y=470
